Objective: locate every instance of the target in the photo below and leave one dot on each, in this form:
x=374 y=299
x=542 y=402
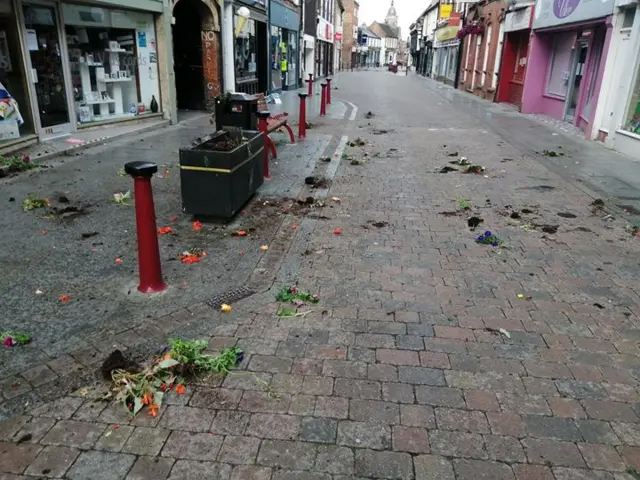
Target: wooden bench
x=274 y=122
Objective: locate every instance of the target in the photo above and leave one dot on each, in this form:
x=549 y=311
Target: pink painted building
x=568 y=46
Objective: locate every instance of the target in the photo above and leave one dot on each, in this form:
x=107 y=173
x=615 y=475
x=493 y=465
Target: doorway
x=47 y=73
x=575 y=79
x=187 y=54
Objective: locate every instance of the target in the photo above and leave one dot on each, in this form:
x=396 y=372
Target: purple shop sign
x=564 y=8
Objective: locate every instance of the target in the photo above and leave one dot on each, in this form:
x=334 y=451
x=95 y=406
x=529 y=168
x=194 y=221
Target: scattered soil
x=369 y=115
x=449 y=214
x=69 y=212
x=474 y=222
x=552 y=153
x=448 y=169
x=325 y=159
x=381 y=131
x=566 y=215
x=474 y=169
x=89 y=235
x=452 y=154
x=527 y=211
x=505 y=160
x=117 y=361
x=358 y=142
x=550 y=229
x=540 y=188
x=356 y=162
x=515 y=215
x=379 y=224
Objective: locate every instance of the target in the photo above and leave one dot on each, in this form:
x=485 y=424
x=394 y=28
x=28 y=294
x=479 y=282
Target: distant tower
x=392 y=17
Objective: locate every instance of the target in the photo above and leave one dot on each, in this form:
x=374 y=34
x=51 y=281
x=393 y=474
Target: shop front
x=445 y=54
x=618 y=117
x=251 y=53
x=16 y=116
x=69 y=66
x=284 y=30
x=566 y=60
x=517 y=29
x=324 y=49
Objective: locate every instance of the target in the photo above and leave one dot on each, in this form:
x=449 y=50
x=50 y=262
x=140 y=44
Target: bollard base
x=156 y=288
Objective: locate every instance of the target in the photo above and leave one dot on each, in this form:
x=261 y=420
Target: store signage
x=446 y=33
x=325 y=30
x=518 y=20
x=551 y=13
x=445 y=10
x=338 y=37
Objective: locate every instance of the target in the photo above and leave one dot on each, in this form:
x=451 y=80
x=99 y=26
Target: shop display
x=632 y=119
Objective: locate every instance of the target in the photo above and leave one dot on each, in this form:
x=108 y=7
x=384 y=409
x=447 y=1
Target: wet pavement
x=429 y=355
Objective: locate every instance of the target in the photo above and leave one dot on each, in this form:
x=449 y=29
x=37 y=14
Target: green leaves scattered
x=295 y=296
x=122 y=198
x=17 y=164
x=32 y=202
x=190 y=353
x=11 y=339
x=464 y=204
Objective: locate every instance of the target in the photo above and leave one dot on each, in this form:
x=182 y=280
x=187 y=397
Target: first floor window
x=560 y=64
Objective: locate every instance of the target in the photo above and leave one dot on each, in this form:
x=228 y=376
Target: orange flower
x=118 y=261
x=164 y=230
x=64 y=298
x=167 y=356
x=197 y=226
x=147 y=399
x=180 y=389
x=153 y=409
x=189 y=259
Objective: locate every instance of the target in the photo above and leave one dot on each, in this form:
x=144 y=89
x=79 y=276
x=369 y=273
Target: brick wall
x=349 y=22
x=479 y=80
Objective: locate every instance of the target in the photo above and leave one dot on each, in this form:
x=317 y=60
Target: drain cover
x=229 y=297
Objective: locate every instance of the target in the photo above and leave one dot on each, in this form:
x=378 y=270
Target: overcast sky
x=408 y=11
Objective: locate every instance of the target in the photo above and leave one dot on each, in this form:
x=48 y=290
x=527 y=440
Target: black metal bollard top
x=140 y=168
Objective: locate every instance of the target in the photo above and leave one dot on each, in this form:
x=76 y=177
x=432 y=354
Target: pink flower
x=294 y=290
x=299 y=304
x=26 y=159
x=9 y=342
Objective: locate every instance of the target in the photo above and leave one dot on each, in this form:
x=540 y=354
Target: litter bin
x=237 y=110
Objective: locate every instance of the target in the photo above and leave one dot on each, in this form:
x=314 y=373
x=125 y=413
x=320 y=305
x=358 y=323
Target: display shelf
x=100 y=102
x=116 y=80
x=119 y=50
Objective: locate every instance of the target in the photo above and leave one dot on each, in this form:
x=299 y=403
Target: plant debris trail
x=430 y=351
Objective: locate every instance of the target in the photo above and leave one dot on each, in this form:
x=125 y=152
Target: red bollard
x=310 y=84
x=329 y=90
x=148 y=250
x=302 y=121
x=323 y=100
x=262 y=126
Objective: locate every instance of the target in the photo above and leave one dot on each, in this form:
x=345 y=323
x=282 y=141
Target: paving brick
x=540 y=386
x=506 y=423
x=392 y=328
x=302 y=405
x=374 y=411
x=454 y=333
x=335 y=460
x=398 y=392
x=580 y=389
x=464 y=420
x=410 y=342
x=114 y=438
x=9 y=428
x=101 y=466
x=361 y=354
x=70 y=433
x=417 y=416
x=332 y=407
x=457 y=444
x=318 y=430
x=553 y=452
x=279 y=427
x=389 y=465
x=239 y=450
x=410 y=439
x=306 y=366
x=230 y=423
x=297 y=475
x=532 y=472
x=193 y=470
x=397 y=357
x=326 y=352
x=375 y=340
x=595 y=431
x=284 y=454
x=601 y=457
x=548 y=370
x=364 y=435
x=192 y=446
x=440 y=396
x=150 y=468
x=218 y=398
x=262 y=402
x=271 y=364
x=62 y=408
x=552 y=427
x=631 y=456
x=249 y=472
x=344 y=368
x=39 y=375
x=317 y=385
x=421 y=376
x=16 y=458
x=362 y=389
x=383 y=373
x=525 y=404
x=35 y=428
x=504 y=449
x=567 y=408
x=480 y=400
x=434 y=360
x=481 y=469
x=562 y=473
x=629 y=433
x=146 y=441
x=609 y=411
x=432 y=466
x=187 y=418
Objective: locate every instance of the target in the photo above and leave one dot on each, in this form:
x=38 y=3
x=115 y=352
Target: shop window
x=113 y=62
x=246 y=52
x=292 y=59
x=278 y=58
x=629 y=17
x=632 y=118
x=15 y=110
x=560 y=64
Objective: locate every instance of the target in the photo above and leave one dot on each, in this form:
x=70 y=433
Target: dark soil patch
x=117 y=361
x=89 y=235
x=550 y=229
x=448 y=169
x=449 y=214
x=505 y=160
x=527 y=211
x=566 y=215
x=382 y=131
x=452 y=154
x=380 y=224
x=474 y=222
x=540 y=188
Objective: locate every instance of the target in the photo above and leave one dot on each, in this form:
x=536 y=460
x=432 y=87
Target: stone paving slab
x=401 y=371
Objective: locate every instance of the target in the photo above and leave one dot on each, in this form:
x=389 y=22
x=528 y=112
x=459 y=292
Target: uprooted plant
x=185 y=358
x=295 y=296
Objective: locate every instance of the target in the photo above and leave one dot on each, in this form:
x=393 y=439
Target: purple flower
x=480 y=238
x=315 y=297
x=9 y=342
x=495 y=244
x=298 y=303
x=488 y=234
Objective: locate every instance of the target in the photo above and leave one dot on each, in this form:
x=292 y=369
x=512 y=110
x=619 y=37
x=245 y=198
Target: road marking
x=354 y=111
x=333 y=167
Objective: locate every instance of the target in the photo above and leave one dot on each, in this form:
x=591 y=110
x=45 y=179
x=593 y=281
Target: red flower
x=26 y=159
x=8 y=342
x=180 y=389
x=164 y=230
x=197 y=226
x=64 y=298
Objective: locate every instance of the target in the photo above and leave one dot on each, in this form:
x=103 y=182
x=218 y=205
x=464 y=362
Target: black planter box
x=218 y=183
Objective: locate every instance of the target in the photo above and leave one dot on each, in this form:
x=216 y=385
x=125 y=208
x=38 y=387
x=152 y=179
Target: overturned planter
x=220 y=172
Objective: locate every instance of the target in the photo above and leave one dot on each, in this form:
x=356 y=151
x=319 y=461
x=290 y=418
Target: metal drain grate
x=229 y=297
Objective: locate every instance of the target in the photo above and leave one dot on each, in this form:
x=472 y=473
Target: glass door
x=43 y=41
x=575 y=79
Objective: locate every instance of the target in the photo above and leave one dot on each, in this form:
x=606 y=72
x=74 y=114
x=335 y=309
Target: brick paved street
x=429 y=356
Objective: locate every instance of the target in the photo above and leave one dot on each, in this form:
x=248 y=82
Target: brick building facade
x=349 y=32
x=482 y=48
